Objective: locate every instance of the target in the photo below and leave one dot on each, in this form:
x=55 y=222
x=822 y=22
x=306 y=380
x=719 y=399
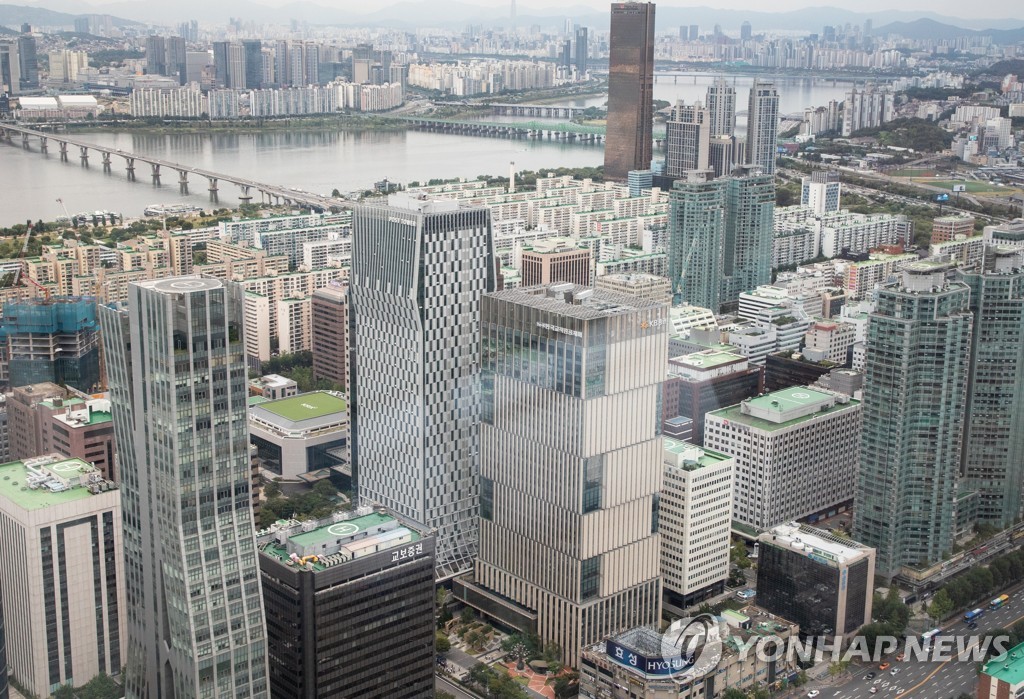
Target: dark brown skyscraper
x=630 y=89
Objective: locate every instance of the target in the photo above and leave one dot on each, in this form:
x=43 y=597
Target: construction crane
x=78 y=236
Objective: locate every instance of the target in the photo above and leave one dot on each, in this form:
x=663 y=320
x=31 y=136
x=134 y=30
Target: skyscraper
x=28 y=63
x=156 y=55
x=696 y=238
x=581 y=50
x=630 y=89
x=253 y=63
x=10 y=68
x=721 y=102
x=688 y=139
x=763 y=126
x=178 y=391
x=746 y=31
x=749 y=227
x=175 y=62
x=220 y=62
x=994 y=432
x=569 y=506
x=915 y=390
x=418 y=270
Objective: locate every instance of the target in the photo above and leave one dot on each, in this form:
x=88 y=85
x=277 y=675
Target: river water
x=315 y=161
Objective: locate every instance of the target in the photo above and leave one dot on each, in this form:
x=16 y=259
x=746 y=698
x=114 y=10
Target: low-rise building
x=350 y=607
x=694 y=519
x=819 y=580
x=645 y=286
x=704 y=381
x=796 y=453
x=81 y=428
x=300 y=435
x=1002 y=677
x=273 y=387
x=828 y=340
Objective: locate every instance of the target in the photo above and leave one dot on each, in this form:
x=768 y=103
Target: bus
x=999 y=601
x=973 y=615
x=927 y=636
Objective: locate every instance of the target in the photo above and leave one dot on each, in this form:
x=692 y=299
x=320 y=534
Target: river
x=317 y=161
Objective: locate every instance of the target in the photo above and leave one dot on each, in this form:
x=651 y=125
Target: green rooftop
x=306 y=406
x=795 y=397
x=78 y=407
x=1008 y=667
x=14 y=486
x=704 y=457
x=332 y=532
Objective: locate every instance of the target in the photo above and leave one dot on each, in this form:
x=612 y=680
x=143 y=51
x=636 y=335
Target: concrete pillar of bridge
x=245 y=197
x=24 y=140
x=106 y=161
x=212 y=187
x=43 y=145
x=63 y=150
x=129 y=166
x=156 y=173
x=183 y=181
x=83 y=155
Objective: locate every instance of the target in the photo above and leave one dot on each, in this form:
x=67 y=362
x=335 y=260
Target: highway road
x=924 y=679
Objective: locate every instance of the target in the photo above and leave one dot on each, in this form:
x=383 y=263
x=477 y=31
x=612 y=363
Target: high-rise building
x=994 y=431
x=178 y=393
x=561 y=364
x=721 y=102
x=555 y=260
x=53 y=340
x=581 y=51
x=818 y=580
x=253 y=63
x=696 y=234
x=176 y=58
x=795 y=451
x=350 y=608
x=746 y=31
x=695 y=519
x=64 y=614
x=330 y=334
x=821 y=191
x=915 y=391
x=566 y=59
x=10 y=67
x=763 y=126
x=694 y=32
x=4 y=689
x=156 y=55
x=418 y=270
x=28 y=63
x=723 y=155
x=630 y=89
x=687 y=139
x=867 y=107
x=708 y=380
x=221 y=59
x=749 y=228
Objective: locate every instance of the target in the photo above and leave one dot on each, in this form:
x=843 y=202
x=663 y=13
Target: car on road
x=813 y=693
x=874 y=690
x=972 y=625
x=869 y=676
x=883 y=666
x=900 y=657
x=895 y=671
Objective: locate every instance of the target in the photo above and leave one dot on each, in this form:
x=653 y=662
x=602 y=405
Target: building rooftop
x=785 y=408
x=815 y=543
x=576 y=301
x=305 y=411
x=708 y=359
x=181 y=285
x=335 y=539
x=690 y=457
x=80 y=413
x=1008 y=667
x=34 y=484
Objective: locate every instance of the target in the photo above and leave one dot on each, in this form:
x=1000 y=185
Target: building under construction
x=52 y=340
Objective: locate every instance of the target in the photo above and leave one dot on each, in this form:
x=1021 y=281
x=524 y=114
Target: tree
x=733 y=693
x=441 y=694
x=441 y=643
x=467 y=615
x=565 y=685
x=941 y=605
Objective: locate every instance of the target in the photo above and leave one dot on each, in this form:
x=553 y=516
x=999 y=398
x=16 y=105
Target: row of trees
x=890 y=618
x=314 y=504
x=977 y=584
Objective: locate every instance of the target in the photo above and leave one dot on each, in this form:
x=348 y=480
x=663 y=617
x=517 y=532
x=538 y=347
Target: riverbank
x=323 y=122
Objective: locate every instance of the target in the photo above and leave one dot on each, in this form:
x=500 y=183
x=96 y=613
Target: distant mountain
x=16 y=15
x=930 y=29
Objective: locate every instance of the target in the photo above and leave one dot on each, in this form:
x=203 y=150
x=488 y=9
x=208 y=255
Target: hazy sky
x=953 y=8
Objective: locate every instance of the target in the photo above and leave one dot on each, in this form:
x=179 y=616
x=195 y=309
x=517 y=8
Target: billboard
x=652 y=666
x=942 y=197
x=959 y=188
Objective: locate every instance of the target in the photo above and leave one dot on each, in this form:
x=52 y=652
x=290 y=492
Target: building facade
x=555 y=260
x=561 y=365
x=696 y=240
x=763 y=126
x=687 y=139
x=915 y=392
x=721 y=102
x=821 y=191
x=796 y=453
x=695 y=520
x=350 y=607
x=822 y=582
x=301 y=434
x=329 y=334
x=419 y=268
x=628 y=143
x=64 y=604
x=179 y=398
x=55 y=340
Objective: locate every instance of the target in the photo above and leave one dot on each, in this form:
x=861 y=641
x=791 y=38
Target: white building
x=645 y=286
x=796 y=453
x=821 y=191
x=866 y=108
x=63 y=579
x=300 y=434
x=828 y=340
x=293 y=325
x=695 y=520
x=857 y=233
